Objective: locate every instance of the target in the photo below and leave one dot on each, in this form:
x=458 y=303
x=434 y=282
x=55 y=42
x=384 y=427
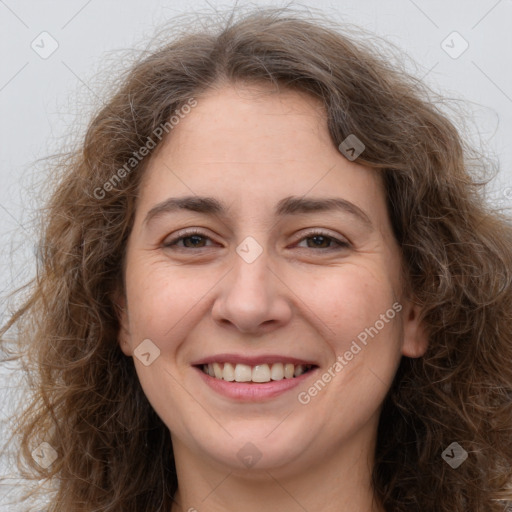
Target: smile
x=259 y=373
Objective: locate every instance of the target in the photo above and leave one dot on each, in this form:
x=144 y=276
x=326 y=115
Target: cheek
x=164 y=302
x=358 y=316
x=347 y=300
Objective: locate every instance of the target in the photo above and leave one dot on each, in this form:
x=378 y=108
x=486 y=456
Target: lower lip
x=248 y=392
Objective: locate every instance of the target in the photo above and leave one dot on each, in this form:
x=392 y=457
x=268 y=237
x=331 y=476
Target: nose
x=252 y=297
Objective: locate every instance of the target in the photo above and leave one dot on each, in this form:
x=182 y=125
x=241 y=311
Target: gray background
x=40 y=97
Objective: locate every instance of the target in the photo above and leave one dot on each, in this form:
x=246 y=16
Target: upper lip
x=251 y=360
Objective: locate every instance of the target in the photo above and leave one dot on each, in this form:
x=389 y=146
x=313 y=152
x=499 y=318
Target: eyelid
x=340 y=241
x=185 y=233
x=323 y=232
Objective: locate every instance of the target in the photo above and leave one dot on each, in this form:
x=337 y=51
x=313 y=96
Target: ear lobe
x=415 y=341
x=123 y=335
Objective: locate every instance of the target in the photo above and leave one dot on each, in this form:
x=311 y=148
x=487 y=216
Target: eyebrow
x=292 y=205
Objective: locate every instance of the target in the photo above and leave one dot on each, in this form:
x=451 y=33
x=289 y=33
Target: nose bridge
x=250 y=278
x=249 y=297
x=249 y=288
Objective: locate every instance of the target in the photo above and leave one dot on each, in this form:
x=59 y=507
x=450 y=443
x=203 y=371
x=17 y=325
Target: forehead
x=254 y=124
x=255 y=144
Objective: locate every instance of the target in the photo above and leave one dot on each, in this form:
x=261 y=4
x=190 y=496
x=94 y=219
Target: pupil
x=194 y=239
x=319 y=238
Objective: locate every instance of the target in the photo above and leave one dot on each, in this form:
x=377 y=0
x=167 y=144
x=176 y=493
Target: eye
x=196 y=239
x=322 y=240
x=191 y=239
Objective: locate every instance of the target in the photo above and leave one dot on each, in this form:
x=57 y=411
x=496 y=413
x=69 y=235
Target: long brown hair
x=113 y=452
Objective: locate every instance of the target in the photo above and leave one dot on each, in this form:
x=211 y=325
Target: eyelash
x=311 y=234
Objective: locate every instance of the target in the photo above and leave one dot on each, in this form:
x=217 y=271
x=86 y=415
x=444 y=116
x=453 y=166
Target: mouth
x=255 y=374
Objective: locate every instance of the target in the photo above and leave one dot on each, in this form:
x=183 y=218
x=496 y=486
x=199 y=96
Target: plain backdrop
x=462 y=49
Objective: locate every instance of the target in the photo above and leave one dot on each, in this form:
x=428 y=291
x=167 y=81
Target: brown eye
x=195 y=241
x=321 y=240
x=188 y=240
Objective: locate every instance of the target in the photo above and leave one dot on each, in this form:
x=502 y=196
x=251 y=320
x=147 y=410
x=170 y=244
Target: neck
x=339 y=481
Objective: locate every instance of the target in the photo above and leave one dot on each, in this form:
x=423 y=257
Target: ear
x=123 y=335
x=415 y=342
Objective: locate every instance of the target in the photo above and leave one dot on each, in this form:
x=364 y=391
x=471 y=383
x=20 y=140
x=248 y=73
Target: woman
x=269 y=281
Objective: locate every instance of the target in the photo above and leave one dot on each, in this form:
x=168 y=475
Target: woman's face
x=294 y=261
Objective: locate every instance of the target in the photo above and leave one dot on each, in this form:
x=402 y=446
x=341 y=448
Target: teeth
x=259 y=373
x=217 y=370
x=277 y=371
x=299 y=370
x=228 y=373
x=288 y=371
x=243 y=373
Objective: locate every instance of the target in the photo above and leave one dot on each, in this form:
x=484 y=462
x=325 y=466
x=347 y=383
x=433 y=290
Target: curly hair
x=86 y=401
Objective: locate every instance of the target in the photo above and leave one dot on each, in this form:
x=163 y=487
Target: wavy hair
x=113 y=452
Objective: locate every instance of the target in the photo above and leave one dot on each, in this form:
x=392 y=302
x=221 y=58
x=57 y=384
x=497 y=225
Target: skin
x=250 y=147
